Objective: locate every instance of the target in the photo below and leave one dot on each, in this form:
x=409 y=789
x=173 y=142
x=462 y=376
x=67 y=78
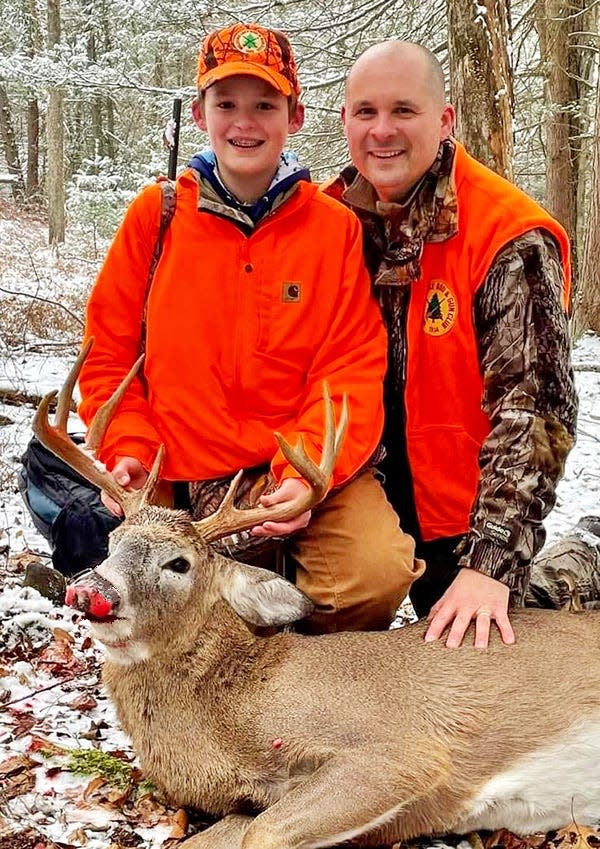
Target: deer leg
x=225 y=834
x=348 y=797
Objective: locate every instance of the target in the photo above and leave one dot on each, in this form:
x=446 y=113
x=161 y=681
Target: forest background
x=86 y=89
x=87 y=86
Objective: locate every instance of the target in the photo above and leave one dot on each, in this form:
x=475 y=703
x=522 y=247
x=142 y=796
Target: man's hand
x=471 y=595
x=128 y=472
x=290 y=489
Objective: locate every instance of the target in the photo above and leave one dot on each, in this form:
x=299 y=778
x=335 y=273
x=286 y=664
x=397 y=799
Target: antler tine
x=319 y=476
x=81 y=458
x=141 y=497
x=340 y=431
x=228 y=518
x=65 y=396
x=105 y=413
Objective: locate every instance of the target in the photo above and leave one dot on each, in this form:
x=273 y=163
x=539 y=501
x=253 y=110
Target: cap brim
x=247 y=69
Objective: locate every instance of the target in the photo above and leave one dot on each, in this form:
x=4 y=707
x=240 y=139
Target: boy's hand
x=471 y=595
x=290 y=489
x=128 y=472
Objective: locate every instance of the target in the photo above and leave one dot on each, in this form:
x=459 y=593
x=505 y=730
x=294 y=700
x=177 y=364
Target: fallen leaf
x=123 y=838
x=17 y=763
x=58 y=658
x=28 y=839
x=18 y=784
x=23 y=721
x=121 y=754
x=475 y=841
x=145 y=811
x=94 y=785
x=179 y=822
x=83 y=703
x=573 y=836
x=62 y=636
x=116 y=798
x=17 y=776
x=22 y=559
x=509 y=840
x=40 y=744
x=79 y=836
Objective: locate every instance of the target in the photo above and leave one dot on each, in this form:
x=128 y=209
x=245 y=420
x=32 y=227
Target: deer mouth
x=102 y=620
x=113 y=632
x=116 y=646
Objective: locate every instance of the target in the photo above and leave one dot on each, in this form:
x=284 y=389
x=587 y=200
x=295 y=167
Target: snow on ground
x=50 y=698
x=578 y=493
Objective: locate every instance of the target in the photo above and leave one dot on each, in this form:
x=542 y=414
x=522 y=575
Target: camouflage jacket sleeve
x=529 y=396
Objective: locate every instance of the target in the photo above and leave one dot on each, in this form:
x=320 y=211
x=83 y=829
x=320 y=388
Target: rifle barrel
x=174 y=150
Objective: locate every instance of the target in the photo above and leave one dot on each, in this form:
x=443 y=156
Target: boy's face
x=248 y=122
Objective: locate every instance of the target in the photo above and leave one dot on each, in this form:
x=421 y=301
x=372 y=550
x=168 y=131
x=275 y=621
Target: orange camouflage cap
x=251 y=50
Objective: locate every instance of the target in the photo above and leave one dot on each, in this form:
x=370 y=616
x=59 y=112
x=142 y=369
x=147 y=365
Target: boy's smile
x=248 y=122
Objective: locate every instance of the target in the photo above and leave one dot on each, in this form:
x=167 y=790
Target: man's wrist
x=496 y=562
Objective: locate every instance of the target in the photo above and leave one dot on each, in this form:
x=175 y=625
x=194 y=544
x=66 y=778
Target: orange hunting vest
x=445 y=425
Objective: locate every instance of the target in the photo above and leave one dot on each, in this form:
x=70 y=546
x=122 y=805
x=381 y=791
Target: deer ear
x=262 y=598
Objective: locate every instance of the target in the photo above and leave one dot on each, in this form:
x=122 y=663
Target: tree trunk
x=481 y=80
x=33 y=148
x=9 y=143
x=55 y=130
x=586 y=309
x=98 y=147
x=34 y=47
x=557 y=23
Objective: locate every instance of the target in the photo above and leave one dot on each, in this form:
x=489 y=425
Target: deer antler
x=228 y=519
x=82 y=458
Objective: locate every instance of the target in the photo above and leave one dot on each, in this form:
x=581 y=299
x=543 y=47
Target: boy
x=260 y=295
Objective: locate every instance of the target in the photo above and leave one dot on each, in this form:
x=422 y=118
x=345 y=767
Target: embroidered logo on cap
x=441 y=309
x=291 y=292
x=249 y=41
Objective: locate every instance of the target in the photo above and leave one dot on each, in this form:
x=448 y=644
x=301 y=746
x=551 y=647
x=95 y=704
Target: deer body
x=368 y=736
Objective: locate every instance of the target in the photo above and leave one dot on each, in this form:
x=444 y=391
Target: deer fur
x=313 y=741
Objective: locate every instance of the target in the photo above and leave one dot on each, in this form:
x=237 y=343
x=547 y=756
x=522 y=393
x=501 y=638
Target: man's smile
x=385 y=154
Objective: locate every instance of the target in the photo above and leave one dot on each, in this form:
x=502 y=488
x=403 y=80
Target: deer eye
x=179 y=565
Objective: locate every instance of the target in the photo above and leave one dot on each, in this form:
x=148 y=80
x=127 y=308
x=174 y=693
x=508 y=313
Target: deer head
x=164 y=554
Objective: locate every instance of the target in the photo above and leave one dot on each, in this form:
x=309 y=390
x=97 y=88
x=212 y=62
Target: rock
x=47 y=581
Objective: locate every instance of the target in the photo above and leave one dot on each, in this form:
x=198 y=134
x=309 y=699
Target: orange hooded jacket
x=241 y=332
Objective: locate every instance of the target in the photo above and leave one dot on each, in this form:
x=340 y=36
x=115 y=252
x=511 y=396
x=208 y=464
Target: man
x=249 y=312
x=472 y=277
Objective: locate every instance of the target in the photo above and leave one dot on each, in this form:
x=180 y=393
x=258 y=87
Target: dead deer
x=312 y=741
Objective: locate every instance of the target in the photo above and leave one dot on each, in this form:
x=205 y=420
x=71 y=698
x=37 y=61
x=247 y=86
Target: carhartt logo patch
x=291 y=292
x=441 y=309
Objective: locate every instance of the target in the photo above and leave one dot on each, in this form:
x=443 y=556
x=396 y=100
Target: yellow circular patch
x=441 y=309
x=249 y=41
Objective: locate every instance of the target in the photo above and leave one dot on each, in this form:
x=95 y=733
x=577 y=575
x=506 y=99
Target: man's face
x=394 y=119
x=248 y=122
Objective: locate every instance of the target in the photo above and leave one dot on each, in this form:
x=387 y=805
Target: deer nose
x=94 y=596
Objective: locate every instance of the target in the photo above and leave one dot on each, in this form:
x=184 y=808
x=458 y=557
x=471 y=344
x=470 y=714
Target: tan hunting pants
x=353 y=560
